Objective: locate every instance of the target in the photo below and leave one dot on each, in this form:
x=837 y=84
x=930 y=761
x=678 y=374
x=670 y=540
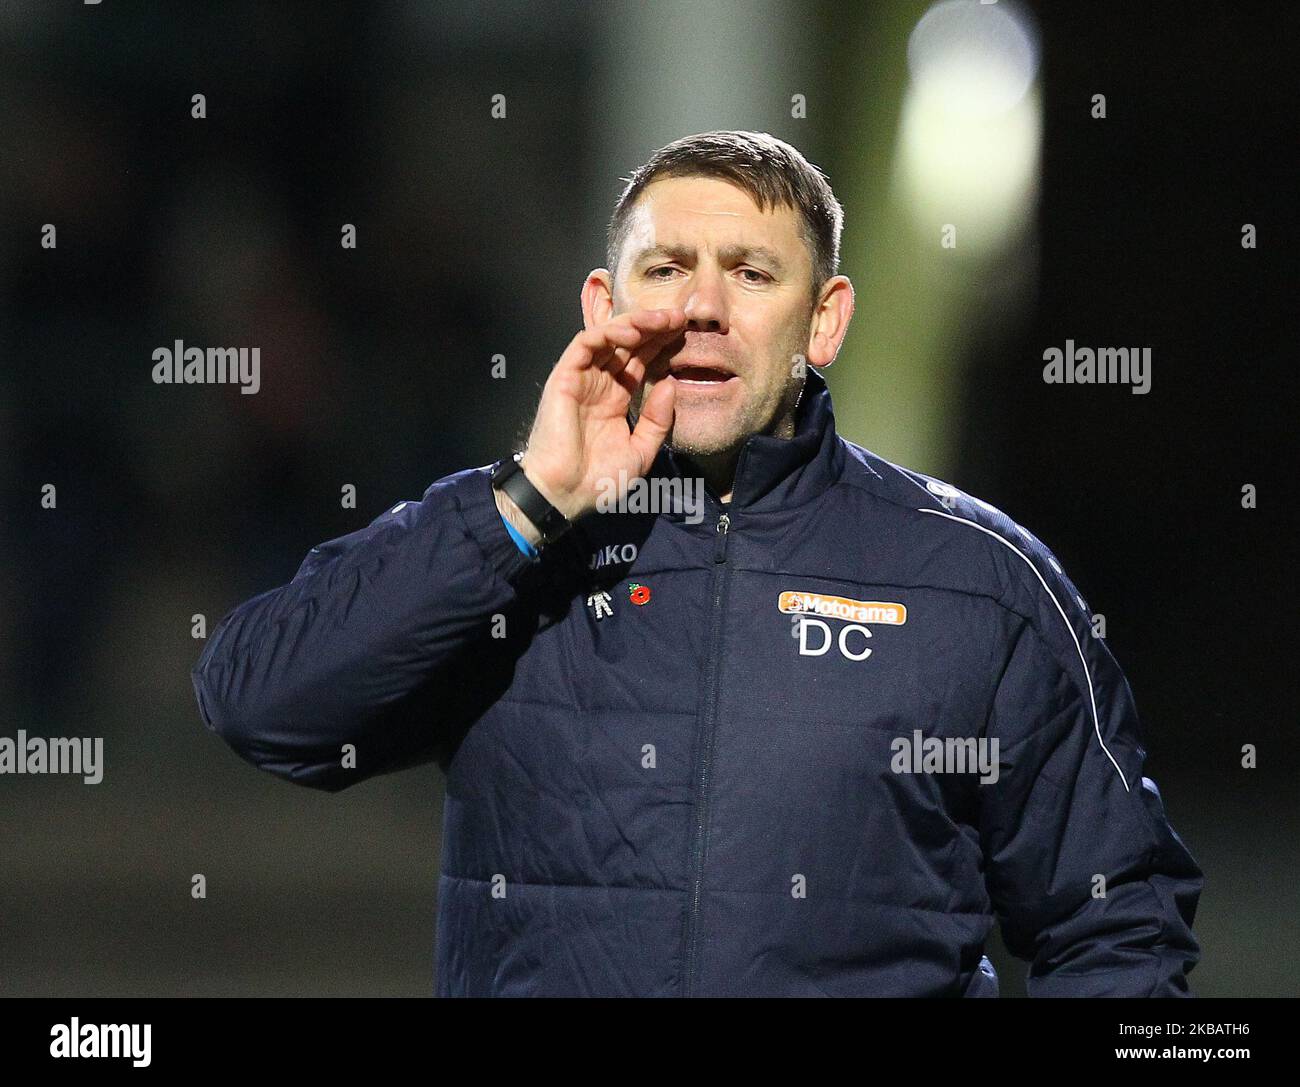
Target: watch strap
x=510 y=478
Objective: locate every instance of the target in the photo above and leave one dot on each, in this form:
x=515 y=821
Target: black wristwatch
x=508 y=476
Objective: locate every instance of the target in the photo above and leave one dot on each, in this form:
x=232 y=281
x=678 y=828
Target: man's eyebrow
x=760 y=253
x=728 y=253
x=665 y=252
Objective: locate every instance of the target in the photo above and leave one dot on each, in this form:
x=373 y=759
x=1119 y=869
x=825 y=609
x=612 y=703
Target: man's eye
x=761 y=277
x=653 y=273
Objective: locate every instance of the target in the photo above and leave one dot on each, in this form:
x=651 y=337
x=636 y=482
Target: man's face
x=744 y=278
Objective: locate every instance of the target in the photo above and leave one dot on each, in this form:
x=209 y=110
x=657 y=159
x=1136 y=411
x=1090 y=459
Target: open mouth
x=702 y=375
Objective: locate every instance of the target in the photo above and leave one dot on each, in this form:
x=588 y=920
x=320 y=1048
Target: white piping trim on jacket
x=1092 y=698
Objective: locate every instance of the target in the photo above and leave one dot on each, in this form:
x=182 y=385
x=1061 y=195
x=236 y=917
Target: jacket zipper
x=720 y=570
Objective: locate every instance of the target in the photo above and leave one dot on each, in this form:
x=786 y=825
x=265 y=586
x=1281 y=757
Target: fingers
x=654 y=422
x=611 y=344
x=652 y=321
x=632 y=363
x=629 y=366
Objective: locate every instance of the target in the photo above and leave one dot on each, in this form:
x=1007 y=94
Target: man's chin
x=696 y=443
x=705 y=430
x=692 y=435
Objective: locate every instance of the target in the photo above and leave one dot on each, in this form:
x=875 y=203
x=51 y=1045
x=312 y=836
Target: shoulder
x=966 y=535
x=968 y=542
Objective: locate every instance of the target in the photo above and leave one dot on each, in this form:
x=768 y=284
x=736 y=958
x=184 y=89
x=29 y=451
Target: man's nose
x=706 y=302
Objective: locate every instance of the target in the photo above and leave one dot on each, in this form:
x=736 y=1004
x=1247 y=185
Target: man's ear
x=830 y=321
x=597 y=297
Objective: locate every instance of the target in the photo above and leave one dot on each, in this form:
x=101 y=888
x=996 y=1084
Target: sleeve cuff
x=523 y=545
x=478 y=507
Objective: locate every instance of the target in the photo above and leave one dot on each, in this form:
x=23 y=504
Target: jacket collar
x=779 y=473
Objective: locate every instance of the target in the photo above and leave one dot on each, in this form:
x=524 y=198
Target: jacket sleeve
x=361 y=645
x=1090 y=882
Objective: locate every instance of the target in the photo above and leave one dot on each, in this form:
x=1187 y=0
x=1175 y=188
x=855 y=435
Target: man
x=809 y=744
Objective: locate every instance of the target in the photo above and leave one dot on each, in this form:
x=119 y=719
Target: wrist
x=530 y=503
x=515 y=516
x=553 y=494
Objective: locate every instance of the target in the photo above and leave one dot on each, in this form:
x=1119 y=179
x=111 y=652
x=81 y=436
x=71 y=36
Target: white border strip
x=1092 y=698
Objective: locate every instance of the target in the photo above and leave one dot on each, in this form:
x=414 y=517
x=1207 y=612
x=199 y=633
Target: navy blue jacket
x=729 y=781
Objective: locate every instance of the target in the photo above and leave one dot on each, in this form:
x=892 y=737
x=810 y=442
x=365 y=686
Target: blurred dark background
x=473 y=237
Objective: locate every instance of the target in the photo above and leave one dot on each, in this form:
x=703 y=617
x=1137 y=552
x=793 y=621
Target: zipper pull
x=720 y=551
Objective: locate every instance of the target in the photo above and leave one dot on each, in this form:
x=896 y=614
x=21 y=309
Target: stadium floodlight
x=971 y=124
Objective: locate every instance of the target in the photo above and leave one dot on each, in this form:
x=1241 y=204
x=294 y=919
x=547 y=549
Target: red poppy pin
x=638 y=594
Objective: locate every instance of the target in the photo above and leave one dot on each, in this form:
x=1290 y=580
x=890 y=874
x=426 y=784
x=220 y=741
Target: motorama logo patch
x=799 y=602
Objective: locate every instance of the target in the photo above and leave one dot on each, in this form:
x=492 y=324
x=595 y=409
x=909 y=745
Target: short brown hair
x=770 y=170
